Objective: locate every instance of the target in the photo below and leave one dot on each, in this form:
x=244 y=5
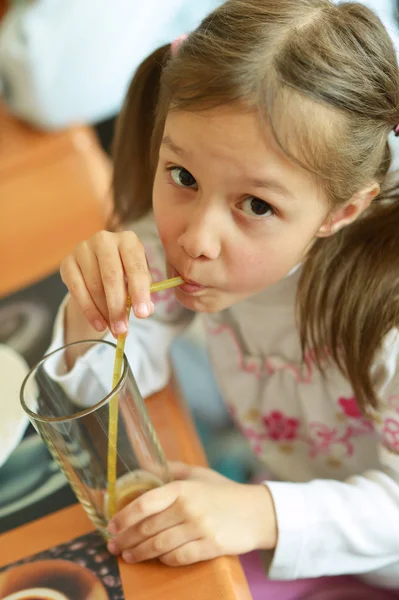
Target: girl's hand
x=97 y=273
x=204 y=516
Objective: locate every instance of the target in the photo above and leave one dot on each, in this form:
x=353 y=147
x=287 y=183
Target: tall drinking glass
x=70 y=411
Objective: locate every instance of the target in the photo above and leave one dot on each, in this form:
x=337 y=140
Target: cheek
x=168 y=228
x=166 y=217
x=163 y=222
x=247 y=268
x=262 y=264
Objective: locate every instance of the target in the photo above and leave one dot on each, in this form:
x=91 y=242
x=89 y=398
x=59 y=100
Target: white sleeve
x=148 y=341
x=329 y=527
x=65 y=62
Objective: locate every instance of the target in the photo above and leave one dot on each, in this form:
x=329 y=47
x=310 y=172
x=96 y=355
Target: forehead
x=235 y=139
x=222 y=130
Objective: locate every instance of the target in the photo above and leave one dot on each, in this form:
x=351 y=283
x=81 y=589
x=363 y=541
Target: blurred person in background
x=70 y=62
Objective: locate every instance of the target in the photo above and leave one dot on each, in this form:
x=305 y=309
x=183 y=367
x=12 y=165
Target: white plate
x=13 y=420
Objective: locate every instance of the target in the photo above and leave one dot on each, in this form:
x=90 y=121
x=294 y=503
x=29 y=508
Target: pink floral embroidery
x=393 y=402
x=254 y=439
x=302 y=374
x=350 y=407
x=272 y=364
x=232 y=409
x=257 y=448
x=321 y=435
x=280 y=427
x=390 y=434
x=322 y=439
x=248 y=366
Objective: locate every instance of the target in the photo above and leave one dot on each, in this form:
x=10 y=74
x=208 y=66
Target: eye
x=255 y=207
x=181 y=177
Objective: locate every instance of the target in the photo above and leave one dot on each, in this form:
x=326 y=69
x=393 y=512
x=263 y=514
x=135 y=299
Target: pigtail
x=133 y=164
x=358 y=301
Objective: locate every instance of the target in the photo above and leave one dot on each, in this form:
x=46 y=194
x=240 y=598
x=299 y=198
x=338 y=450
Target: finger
x=138 y=275
x=190 y=553
x=180 y=470
x=133 y=536
x=149 y=504
x=89 y=267
x=163 y=543
x=112 y=276
x=73 y=279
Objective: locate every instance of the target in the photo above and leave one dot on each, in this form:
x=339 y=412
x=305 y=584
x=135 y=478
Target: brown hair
x=325 y=78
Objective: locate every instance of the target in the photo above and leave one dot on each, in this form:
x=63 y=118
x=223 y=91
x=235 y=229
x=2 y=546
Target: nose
x=201 y=237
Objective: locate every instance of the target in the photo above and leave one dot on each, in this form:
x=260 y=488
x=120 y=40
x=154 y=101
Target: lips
x=191 y=282
x=189 y=286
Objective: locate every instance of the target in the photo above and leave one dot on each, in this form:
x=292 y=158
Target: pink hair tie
x=396 y=130
x=175 y=45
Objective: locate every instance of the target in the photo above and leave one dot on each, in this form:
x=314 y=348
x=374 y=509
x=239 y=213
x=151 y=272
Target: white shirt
x=336 y=494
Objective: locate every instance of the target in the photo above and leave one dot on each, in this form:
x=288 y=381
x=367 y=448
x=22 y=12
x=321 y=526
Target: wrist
x=77 y=328
x=263 y=517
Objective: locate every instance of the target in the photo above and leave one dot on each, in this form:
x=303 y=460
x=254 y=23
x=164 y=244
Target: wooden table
x=220 y=579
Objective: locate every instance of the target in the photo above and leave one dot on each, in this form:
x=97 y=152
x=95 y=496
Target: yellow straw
x=113 y=405
x=166 y=284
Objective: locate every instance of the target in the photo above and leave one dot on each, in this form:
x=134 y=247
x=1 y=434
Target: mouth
x=189 y=286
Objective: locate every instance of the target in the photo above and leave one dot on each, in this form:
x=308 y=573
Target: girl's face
x=233 y=213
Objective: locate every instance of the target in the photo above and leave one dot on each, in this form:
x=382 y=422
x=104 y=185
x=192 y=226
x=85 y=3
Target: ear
x=349 y=212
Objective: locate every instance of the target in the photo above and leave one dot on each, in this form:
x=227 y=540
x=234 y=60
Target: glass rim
x=81 y=413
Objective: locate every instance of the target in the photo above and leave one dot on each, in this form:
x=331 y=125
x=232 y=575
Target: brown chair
x=53 y=193
x=3 y=7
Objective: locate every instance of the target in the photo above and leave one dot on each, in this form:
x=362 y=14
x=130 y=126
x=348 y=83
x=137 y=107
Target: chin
x=200 y=304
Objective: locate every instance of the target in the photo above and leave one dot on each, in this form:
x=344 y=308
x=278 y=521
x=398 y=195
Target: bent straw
x=113 y=405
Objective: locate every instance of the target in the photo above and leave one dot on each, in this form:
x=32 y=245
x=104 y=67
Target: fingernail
x=99 y=326
x=112 y=547
x=127 y=557
x=112 y=528
x=120 y=327
x=142 y=310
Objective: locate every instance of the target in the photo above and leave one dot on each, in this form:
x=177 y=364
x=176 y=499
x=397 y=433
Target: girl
x=253 y=161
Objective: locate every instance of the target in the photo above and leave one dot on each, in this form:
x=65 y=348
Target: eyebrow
x=268 y=184
x=271 y=184
x=169 y=143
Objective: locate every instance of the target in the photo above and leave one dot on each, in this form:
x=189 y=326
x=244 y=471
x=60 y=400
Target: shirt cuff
x=71 y=379
x=292 y=524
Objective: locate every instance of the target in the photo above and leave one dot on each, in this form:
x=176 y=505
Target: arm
x=329 y=527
